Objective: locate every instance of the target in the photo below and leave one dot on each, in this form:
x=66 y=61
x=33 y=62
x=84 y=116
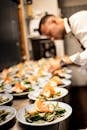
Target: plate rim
x=67 y=84
x=20 y=94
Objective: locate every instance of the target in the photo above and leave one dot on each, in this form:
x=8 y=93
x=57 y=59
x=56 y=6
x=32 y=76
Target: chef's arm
x=79 y=58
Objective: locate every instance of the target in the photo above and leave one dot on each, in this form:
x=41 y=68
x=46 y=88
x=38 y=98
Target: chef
x=57 y=28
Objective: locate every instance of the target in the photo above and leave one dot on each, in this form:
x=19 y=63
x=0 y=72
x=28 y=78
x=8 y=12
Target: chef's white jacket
x=77 y=25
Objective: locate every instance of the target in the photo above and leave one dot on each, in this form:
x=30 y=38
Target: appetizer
x=62 y=73
x=20 y=87
x=49 y=92
x=56 y=80
x=44 y=111
x=3 y=99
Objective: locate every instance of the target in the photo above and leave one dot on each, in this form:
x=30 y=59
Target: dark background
x=9 y=34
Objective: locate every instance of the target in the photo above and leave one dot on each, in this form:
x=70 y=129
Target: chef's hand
x=66 y=61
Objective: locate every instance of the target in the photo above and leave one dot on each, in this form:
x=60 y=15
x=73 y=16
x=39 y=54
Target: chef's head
x=52 y=27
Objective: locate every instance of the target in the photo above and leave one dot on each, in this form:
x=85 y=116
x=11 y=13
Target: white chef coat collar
x=66 y=24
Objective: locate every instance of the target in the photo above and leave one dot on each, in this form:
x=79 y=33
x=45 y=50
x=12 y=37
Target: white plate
x=34 y=94
x=65 y=75
x=20 y=115
x=67 y=70
x=10 y=116
x=8 y=89
x=20 y=94
x=66 y=82
x=5 y=96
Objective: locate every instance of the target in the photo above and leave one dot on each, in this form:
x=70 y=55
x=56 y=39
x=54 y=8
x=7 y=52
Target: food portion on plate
x=48 y=93
x=43 y=113
x=17 y=86
x=53 y=81
x=5 y=98
x=56 y=81
x=3 y=115
x=7 y=113
x=22 y=86
x=52 y=93
x=63 y=73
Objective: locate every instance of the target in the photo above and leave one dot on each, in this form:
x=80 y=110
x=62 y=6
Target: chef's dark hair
x=43 y=21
